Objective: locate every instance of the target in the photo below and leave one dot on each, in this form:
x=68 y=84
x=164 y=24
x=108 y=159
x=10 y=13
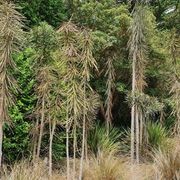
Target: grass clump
x=156 y=135
x=167 y=163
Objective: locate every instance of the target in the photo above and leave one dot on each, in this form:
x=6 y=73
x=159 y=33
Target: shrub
x=99 y=140
x=156 y=135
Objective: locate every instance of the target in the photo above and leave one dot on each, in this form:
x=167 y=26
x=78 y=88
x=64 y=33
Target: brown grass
x=103 y=167
x=26 y=171
x=167 y=162
x=110 y=167
x=107 y=166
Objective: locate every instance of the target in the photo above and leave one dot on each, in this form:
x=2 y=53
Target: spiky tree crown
x=11 y=38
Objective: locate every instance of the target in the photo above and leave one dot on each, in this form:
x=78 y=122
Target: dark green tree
x=51 y=11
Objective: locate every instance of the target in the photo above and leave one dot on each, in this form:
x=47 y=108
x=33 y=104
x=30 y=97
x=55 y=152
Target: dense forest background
x=108 y=23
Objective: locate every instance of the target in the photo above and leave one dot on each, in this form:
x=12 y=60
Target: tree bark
x=41 y=129
x=141 y=129
x=67 y=147
x=84 y=136
x=137 y=134
x=74 y=150
x=132 y=134
x=51 y=132
x=35 y=139
x=133 y=111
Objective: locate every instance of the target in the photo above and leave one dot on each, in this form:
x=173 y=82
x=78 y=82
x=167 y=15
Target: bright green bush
x=99 y=140
x=17 y=134
x=156 y=135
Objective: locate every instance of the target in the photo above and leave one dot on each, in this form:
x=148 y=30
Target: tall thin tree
x=88 y=62
x=54 y=109
x=43 y=41
x=69 y=36
x=11 y=37
x=137 y=50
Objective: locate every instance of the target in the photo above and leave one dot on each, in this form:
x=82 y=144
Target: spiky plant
x=100 y=141
x=68 y=37
x=88 y=62
x=156 y=135
x=43 y=40
x=11 y=37
x=104 y=147
x=137 y=50
x=76 y=54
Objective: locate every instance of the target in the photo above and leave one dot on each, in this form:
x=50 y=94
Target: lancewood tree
x=137 y=50
x=54 y=110
x=43 y=40
x=69 y=37
x=76 y=48
x=88 y=63
x=11 y=38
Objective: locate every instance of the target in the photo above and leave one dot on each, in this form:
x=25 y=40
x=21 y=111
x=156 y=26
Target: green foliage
x=156 y=135
x=109 y=24
x=104 y=15
x=149 y=105
x=16 y=139
x=59 y=147
x=99 y=140
x=43 y=40
x=51 y=11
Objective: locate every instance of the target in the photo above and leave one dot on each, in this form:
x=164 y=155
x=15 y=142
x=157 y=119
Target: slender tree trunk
x=86 y=146
x=132 y=133
x=52 y=129
x=133 y=112
x=41 y=128
x=1 y=141
x=67 y=148
x=141 y=129
x=35 y=139
x=137 y=134
x=83 y=148
x=84 y=136
x=67 y=153
x=74 y=150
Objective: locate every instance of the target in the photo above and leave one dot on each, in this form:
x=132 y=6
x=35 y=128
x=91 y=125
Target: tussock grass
x=167 y=163
x=27 y=171
x=107 y=165
x=103 y=167
x=110 y=167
